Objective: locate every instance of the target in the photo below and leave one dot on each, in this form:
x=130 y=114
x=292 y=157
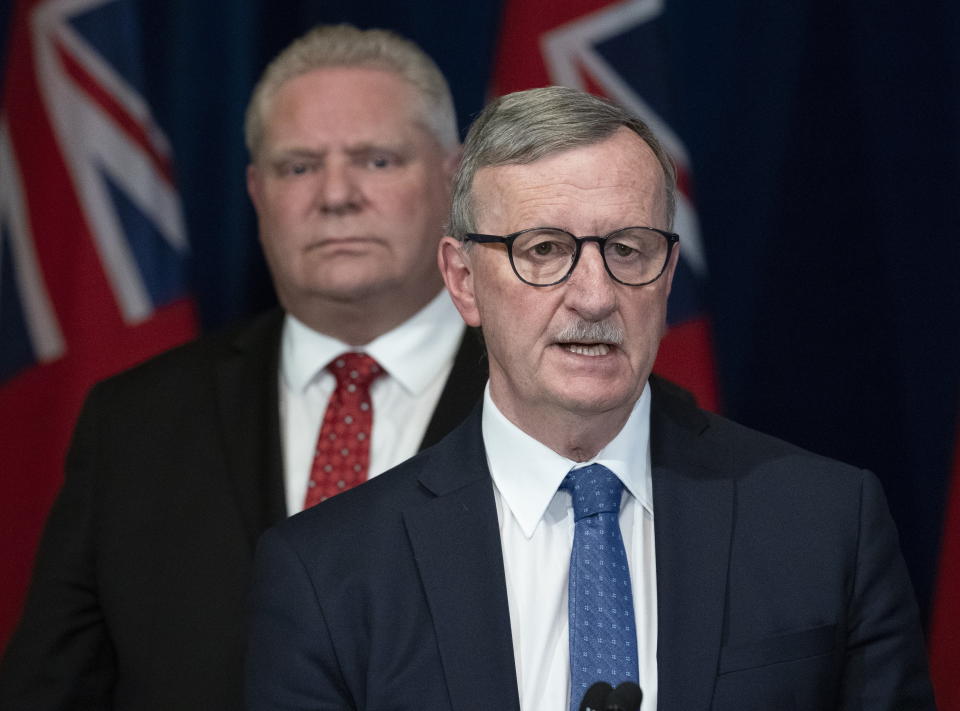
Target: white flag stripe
x=43 y=329
x=573 y=44
x=106 y=143
x=621 y=92
x=686 y=224
x=568 y=47
x=70 y=114
x=128 y=165
x=94 y=146
x=114 y=83
x=563 y=43
x=109 y=237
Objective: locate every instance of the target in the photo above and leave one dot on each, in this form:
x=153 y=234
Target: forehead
x=588 y=190
x=343 y=104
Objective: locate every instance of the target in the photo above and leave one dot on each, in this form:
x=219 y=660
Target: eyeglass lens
x=633 y=255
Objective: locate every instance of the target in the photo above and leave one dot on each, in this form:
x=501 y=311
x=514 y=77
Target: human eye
x=294 y=167
x=633 y=245
x=378 y=159
x=544 y=249
x=381 y=161
x=544 y=245
x=623 y=251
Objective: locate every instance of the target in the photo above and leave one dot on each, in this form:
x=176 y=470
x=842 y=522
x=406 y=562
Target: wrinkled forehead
x=618 y=179
x=359 y=102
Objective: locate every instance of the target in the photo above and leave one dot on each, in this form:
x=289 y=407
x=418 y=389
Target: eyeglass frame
x=672 y=239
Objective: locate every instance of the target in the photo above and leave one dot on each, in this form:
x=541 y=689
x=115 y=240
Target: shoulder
x=189 y=366
x=368 y=521
x=354 y=540
x=716 y=446
x=375 y=507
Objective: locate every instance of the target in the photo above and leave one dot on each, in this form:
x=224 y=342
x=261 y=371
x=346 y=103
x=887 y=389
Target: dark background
x=824 y=144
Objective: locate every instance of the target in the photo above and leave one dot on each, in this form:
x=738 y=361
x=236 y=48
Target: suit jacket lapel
x=457 y=547
x=248 y=398
x=693 y=515
x=462 y=390
x=456 y=544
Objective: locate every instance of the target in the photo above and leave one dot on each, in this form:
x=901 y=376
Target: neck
x=578 y=436
x=357 y=322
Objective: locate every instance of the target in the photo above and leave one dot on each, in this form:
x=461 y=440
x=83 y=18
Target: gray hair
x=347 y=46
x=526 y=126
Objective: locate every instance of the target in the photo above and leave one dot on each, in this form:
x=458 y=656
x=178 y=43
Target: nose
x=590 y=291
x=339 y=193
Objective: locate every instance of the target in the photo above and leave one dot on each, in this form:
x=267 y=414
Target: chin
x=595 y=401
x=350 y=285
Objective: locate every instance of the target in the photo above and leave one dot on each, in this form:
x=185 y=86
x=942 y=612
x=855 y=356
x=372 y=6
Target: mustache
x=591 y=332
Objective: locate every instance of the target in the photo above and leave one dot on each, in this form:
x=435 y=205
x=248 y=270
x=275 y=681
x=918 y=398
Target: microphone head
x=626 y=697
x=595 y=698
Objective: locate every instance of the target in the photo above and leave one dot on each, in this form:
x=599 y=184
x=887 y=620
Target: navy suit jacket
x=779 y=580
x=139 y=594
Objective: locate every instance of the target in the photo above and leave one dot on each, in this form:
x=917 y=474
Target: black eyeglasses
x=544 y=256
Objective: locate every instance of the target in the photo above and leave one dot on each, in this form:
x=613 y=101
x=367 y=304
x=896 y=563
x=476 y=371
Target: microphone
x=595 y=698
x=626 y=697
x=603 y=697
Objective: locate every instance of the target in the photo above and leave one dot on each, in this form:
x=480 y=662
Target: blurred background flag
x=945 y=618
x=93 y=246
x=617 y=50
x=824 y=139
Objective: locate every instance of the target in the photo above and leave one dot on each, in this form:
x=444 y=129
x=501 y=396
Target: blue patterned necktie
x=603 y=637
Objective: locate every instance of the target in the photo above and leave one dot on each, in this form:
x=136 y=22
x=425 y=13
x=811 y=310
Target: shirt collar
x=527 y=473
x=411 y=353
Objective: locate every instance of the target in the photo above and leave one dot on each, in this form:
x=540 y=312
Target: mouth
x=336 y=242
x=591 y=339
x=587 y=349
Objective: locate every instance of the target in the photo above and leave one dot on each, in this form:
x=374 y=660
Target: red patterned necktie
x=342 y=455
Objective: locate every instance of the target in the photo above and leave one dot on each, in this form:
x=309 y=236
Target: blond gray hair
x=347 y=46
x=525 y=126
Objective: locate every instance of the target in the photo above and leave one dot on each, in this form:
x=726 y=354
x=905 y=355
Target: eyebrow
x=287 y=153
x=402 y=148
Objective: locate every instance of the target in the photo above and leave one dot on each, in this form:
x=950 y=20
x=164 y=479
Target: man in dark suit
x=177 y=466
x=589 y=523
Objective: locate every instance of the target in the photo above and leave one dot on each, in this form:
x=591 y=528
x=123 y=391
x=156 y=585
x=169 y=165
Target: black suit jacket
x=779 y=581
x=139 y=594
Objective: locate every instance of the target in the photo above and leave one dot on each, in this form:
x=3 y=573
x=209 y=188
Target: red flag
x=92 y=246
x=945 y=621
x=612 y=49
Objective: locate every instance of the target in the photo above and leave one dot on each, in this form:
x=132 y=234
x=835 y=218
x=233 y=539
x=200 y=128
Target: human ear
x=672 y=267
x=457 y=271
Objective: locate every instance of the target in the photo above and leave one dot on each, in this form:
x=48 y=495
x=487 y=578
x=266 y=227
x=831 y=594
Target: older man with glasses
x=589 y=527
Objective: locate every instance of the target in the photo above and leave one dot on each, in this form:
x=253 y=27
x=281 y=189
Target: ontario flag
x=613 y=49
x=92 y=246
x=945 y=622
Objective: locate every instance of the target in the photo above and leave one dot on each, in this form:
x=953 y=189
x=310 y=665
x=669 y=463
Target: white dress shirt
x=536 y=534
x=417 y=357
